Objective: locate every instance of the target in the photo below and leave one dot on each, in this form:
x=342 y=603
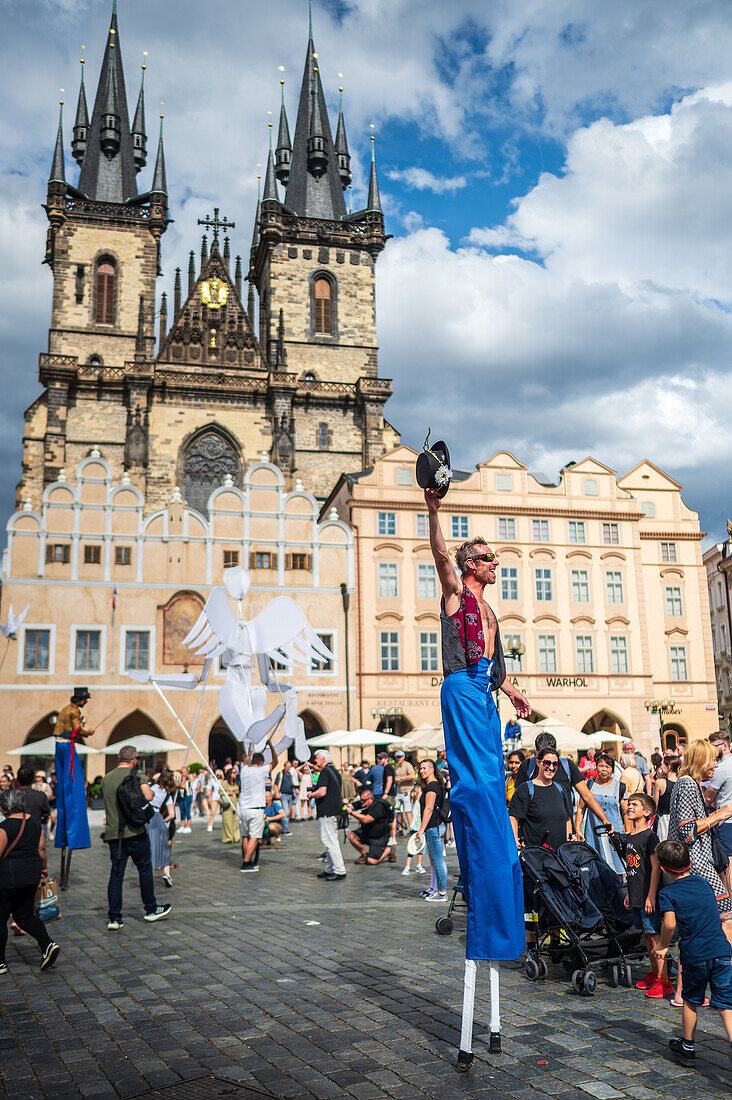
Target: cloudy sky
x=557 y=175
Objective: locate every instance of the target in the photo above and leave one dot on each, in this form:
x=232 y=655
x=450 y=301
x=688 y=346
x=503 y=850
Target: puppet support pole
x=204 y=680
x=465 y=1053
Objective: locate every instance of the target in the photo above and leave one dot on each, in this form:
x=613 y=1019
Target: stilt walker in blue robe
x=474 y=666
x=72 y=822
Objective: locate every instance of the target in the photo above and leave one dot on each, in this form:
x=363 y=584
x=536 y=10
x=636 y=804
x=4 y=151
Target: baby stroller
x=579 y=917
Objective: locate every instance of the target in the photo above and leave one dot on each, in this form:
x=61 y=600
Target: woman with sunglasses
x=539 y=811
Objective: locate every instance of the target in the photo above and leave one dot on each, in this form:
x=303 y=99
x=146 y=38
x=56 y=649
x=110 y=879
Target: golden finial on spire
x=144 y=64
x=61 y=102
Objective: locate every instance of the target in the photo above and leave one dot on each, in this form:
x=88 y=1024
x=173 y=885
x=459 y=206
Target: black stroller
x=578 y=916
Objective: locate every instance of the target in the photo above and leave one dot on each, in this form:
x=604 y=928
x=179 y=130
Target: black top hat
x=81 y=693
x=433 y=467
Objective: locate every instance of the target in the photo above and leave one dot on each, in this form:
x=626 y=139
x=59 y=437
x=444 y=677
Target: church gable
x=212 y=328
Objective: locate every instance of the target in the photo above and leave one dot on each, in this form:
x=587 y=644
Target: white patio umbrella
x=145 y=745
x=422 y=737
x=344 y=738
x=567 y=736
x=606 y=735
x=47 y=747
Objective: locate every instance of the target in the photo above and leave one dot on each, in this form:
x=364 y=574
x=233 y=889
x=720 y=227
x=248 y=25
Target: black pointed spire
x=314 y=188
x=58 y=169
x=139 y=137
x=270 y=179
x=250 y=304
x=281 y=354
x=237 y=277
x=374 y=199
x=163 y=319
x=341 y=147
x=283 y=152
x=81 y=125
x=204 y=251
x=255 y=232
x=191 y=272
x=108 y=172
x=176 y=293
x=160 y=183
x=140 y=338
x=227 y=253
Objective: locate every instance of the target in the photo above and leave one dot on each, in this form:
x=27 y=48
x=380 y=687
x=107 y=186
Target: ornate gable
x=212 y=328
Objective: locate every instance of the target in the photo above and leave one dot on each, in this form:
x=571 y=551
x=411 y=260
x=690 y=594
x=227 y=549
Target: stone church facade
x=289 y=375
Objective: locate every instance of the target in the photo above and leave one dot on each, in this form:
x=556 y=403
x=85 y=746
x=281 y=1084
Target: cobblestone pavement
x=304 y=988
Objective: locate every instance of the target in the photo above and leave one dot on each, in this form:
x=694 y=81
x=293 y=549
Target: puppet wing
x=282 y=631
x=216 y=628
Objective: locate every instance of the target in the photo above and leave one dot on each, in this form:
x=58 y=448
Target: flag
x=114 y=598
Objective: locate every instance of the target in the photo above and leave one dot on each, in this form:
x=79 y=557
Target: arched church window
x=106 y=278
x=323 y=306
x=208 y=459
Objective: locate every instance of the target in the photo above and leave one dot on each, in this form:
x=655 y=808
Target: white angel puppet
x=10 y=629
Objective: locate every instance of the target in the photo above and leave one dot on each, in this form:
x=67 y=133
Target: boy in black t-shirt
x=688 y=903
x=637 y=850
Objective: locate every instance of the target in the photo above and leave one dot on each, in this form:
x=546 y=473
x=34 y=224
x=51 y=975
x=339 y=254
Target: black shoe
x=50 y=955
x=335 y=878
x=158 y=913
x=323 y=874
x=323 y=855
x=686 y=1057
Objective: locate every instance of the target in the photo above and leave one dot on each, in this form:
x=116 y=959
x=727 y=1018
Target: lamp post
x=385 y=715
x=662 y=707
x=346 y=598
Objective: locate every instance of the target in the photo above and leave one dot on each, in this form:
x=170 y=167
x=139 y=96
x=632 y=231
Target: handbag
x=47 y=904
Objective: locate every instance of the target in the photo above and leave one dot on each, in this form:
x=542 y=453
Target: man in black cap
x=72 y=823
x=70 y=722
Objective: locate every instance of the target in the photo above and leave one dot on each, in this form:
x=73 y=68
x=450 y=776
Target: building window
x=106 y=280
x=231 y=558
x=428 y=661
x=618 y=655
x=610 y=534
x=323 y=439
x=388 y=580
x=513 y=663
x=504 y=483
x=323 y=297
x=506 y=528
x=509 y=583
x=298 y=560
x=589 y=487
x=614 y=586
x=422 y=525
x=584 y=650
x=648 y=508
x=540 y=530
x=87 y=656
x=208 y=458
x=92 y=555
x=36 y=650
x=679 y=667
x=58 y=552
x=547 y=653
x=674 y=602
x=387 y=523
x=137 y=649
x=720 y=595
x=262 y=559
x=723 y=632
x=459 y=527
x=122 y=555
x=404 y=477
x=543 y=584
x=426 y=582
x=389 y=651
x=577 y=533
x=714 y=640
x=580 y=586
x=323 y=664
x=668 y=551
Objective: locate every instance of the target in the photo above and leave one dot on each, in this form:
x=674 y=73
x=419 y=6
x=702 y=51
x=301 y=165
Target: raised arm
x=445 y=571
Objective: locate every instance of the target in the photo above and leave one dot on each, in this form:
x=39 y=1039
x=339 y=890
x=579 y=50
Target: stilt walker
x=72 y=823
x=474 y=667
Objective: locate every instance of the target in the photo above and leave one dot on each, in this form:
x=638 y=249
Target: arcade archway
x=674 y=735
x=43 y=728
x=397 y=725
x=604 y=721
x=131 y=726
x=222 y=745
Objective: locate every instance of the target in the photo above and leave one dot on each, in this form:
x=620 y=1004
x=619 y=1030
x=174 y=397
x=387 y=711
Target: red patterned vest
x=469 y=626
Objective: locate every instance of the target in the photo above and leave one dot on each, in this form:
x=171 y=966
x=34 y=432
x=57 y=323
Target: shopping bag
x=47 y=905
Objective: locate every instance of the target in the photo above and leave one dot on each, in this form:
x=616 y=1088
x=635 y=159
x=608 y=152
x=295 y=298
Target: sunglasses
x=488 y=556
x=550 y=764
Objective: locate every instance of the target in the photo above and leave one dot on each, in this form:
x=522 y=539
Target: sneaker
x=436 y=897
x=159 y=913
x=450 y=844
x=114 y=925
x=168 y=881
x=50 y=955
x=391 y=842
x=659 y=989
x=685 y=1056
x=427 y=893
x=335 y=878
x=248 y=870
x=3 y=968
x=419 y=870
x=15 y=929
x=406 y=871
x=209 y=828
x=647 y=981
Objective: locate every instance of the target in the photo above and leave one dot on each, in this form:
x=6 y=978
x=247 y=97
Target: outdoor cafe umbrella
x=47 y=747
x=145 y=745
x=567 y=736
x=342 y=739
x=422 y=737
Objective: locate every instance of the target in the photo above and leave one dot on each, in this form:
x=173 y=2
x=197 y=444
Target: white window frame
x=426 y=572
x=404 y=476
x=609 y=529
x=509 y=528
x=669 y=553
x=682 y=654
x=334 y=670
x=672 y=601
x=462 y=522
x=513 y=664
x=102 y=630
x=420 y=644
x=396 y=634
x=387 y=573
x=390 y=520
x=590 y=487
x=123 y=632
x=509 y=581
x=580 y=655
x=616 y=651
x=51 y=627
x=540 y=527
x=648 y=508
x=540 y=584
x=576 y=527
x=580 y=580
x=504 y=483
x=422 y=520
x=545 y=651
x=613 y=583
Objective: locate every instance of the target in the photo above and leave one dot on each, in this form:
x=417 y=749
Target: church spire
x=255 y=233
x=374 y=200
x=139 y=137
x=81 y=124
x=341 y=147
x=108 y=170
x=160 y=182
x=58 y=169
x=270 y=179
x=283 y=152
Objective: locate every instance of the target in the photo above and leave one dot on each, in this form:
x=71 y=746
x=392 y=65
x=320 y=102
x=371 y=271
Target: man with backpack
x=568 y=775
x=126 y=795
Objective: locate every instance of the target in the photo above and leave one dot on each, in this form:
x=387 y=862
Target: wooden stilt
x=465 y=1053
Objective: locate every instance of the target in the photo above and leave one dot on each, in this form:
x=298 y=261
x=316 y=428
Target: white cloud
x=419 y=179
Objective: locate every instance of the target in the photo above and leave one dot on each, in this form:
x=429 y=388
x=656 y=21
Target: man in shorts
x=404 y=773
x=253 y=775
x=371 y=837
